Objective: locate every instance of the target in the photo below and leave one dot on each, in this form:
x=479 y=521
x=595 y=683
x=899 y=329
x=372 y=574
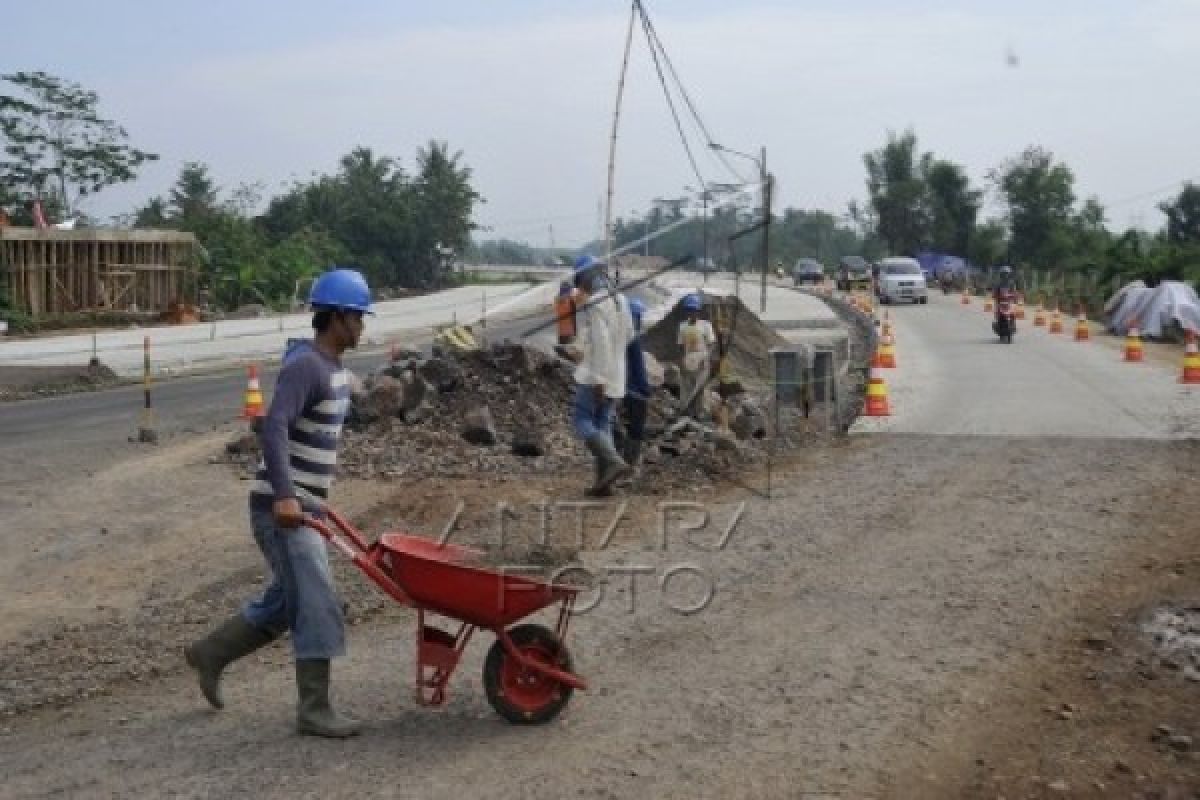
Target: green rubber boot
x=314 y=715
x=233 y=639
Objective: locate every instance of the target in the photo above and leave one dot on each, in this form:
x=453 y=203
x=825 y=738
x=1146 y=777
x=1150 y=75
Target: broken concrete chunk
x=529 y=442
x=478 y=427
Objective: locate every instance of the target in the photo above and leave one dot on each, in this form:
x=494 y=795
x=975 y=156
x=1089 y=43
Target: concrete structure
x=51 y=271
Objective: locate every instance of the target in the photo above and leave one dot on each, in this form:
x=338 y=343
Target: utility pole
x=704 y=231
x=765 y=182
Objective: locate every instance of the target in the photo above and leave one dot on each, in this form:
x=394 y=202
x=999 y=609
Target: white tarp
x=1171 y=302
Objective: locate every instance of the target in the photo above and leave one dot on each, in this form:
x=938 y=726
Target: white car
x=901 y=279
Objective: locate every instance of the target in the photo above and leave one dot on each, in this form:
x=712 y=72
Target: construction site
x=425 y=414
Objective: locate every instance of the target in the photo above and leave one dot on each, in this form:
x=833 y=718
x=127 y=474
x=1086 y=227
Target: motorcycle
x=1005 y=323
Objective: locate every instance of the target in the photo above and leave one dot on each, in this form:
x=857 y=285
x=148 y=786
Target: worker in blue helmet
x=696 y=341
x=299 y=440
x=604 y=329
x=637 y=390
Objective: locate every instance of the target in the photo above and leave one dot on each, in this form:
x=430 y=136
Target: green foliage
x=57 y=146
x=953 y=206
x=402 y=231
x=503 y=251
x=898 y=193
x=1183 y=216
x=1039 y=194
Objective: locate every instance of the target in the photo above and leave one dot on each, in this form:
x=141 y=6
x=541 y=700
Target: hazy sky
x=272 y=91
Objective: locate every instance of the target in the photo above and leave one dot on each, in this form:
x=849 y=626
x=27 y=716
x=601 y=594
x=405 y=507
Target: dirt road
x=886 y=625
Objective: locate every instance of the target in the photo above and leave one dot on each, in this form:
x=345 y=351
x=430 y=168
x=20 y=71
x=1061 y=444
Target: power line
x=1143 y=195
x=687 y=99
x=650 y=40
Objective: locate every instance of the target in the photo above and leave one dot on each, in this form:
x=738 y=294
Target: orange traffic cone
x=1191 y=362
x=252 y=406
x=887 y=352
x=966 y=297
x=1083 y=331
x=1056 y=323
x=1133 y=342
x=1039 y=317
x=987 y=305
x=877 y=397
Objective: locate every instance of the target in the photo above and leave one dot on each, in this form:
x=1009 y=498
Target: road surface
x=904 y=596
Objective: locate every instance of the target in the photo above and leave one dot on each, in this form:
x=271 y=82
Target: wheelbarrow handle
x=344 y=530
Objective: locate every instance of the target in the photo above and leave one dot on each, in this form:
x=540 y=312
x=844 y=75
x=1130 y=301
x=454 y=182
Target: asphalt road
x=954 y=377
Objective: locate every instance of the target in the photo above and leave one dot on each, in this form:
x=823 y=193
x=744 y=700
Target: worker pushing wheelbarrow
x=527 y=675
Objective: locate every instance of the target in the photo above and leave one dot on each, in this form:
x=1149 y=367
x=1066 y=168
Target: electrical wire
x=667 y=93
x=657 y=44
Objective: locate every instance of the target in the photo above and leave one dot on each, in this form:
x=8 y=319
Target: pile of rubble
x=505 y=410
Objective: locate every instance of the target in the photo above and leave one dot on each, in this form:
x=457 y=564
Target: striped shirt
x=300 y=432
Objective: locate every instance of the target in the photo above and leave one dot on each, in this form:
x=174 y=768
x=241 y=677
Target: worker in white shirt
x=696 y=341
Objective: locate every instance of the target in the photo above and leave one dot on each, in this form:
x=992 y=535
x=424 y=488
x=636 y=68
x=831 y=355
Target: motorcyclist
x=1005 y=294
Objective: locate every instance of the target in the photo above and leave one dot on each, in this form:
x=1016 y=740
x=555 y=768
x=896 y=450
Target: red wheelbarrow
x=527 y=675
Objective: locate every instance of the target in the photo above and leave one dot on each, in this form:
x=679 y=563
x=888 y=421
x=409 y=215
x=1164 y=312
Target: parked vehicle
x=853 y=273
x=808 y=270
x=901 y=279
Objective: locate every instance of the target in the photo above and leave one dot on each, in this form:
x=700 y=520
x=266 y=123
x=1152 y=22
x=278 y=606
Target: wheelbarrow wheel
x=521 y=696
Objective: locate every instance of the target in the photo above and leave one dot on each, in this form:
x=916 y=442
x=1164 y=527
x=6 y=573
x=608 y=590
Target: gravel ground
x=845 y=628
x=875 y=616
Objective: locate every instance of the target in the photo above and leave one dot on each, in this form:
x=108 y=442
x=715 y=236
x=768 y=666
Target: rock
x=1180 y=743
x=1097 y=642
x=245 y=444
x=725 y=441
x=386 y=396
x=417 y=392
x=1161 y=732
x=445 y=374
x=655 y=372
x=529 y=442
x=748 y=421
x=478 y=427
x=1062 y=787
x=671 y=378
x=1122 y=766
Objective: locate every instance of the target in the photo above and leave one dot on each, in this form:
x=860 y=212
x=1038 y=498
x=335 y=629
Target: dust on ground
x=23 y=382
x=852 y=635
x=1105 y=706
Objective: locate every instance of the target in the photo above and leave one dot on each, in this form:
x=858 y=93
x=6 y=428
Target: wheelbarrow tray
x=441 y=578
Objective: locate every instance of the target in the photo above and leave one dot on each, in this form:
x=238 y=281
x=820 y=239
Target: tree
x=57 y=146
x=988 y=244
x=194 y=195
x=1040 y=196
x=953 y=206
x=1183 y=216
x=898 y=194
x=445 y=202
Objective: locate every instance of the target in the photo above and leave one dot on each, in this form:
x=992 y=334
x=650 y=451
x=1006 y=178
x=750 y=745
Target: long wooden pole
x=612 y=142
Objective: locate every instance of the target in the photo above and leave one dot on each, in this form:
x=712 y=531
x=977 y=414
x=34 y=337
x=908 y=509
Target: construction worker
x=605 y=329
x=696 y=340
x=637 y=389
x=564 y=313
x=299 y=444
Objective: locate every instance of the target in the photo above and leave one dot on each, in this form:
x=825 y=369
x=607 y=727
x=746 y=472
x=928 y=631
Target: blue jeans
x=590 y=416
x=301 y=596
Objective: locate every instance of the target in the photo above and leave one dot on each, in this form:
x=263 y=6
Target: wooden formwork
x=46 y=272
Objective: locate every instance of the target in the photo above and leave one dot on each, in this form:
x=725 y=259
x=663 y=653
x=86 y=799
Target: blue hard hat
x=637 y=308
x=343 y=289
x=584 y=263
x=693 y=303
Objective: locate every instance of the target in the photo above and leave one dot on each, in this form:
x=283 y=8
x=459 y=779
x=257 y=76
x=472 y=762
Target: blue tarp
x=938 y=264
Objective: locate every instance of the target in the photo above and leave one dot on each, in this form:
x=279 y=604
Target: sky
x=273 y=92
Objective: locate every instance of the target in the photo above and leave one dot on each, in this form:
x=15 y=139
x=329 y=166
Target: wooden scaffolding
x=46 y=272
